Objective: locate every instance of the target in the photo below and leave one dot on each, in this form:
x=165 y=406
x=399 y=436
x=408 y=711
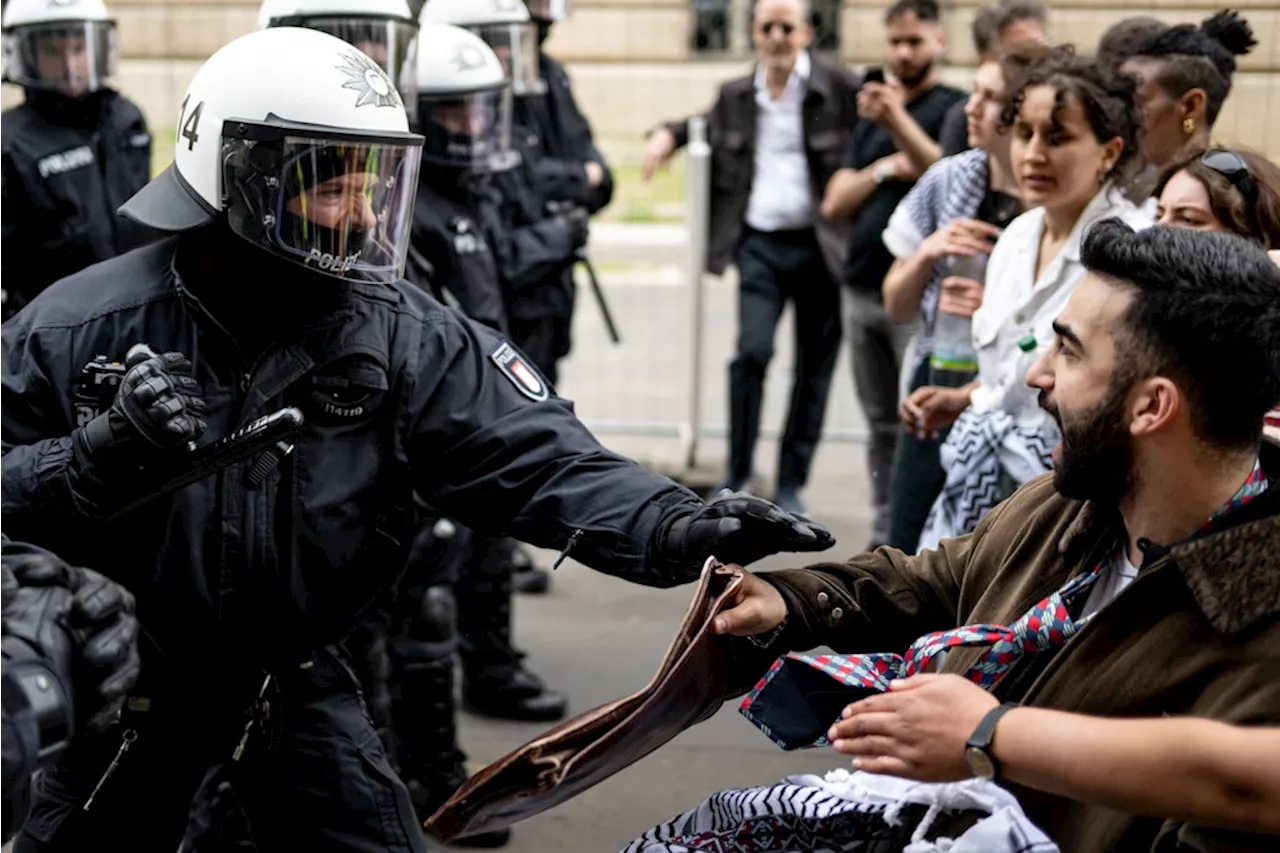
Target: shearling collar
x=1233 y=572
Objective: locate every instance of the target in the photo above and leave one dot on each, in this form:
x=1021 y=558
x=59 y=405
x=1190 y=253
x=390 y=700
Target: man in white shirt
x=777 y=135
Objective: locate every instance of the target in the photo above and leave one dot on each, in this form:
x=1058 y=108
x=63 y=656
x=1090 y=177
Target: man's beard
x=913 y=78
x=1097 y=451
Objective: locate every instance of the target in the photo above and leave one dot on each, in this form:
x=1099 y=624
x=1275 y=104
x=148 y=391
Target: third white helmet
x=506 y=27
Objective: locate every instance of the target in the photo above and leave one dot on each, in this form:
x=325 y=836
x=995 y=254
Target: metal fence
x=667 y=380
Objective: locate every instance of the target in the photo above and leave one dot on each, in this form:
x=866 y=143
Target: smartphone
x=874 y=74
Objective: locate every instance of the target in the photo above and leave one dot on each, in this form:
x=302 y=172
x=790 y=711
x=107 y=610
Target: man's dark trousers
x=774 y=267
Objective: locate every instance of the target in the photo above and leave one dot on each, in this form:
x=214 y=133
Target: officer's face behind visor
x=517 y=48
x=72 y=58
x=471 y=132
x=387 y=42
x=337 y=207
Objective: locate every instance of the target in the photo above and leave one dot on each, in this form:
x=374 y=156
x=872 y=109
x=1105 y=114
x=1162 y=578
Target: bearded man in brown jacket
x=1165 y=362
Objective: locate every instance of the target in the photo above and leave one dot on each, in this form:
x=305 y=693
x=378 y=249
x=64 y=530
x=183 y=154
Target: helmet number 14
x=187 y=123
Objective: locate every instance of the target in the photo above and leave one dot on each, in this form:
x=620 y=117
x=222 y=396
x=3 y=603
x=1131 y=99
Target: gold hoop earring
x=1188 y=125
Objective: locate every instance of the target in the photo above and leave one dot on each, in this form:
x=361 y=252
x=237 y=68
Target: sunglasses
x=767 y=27
x=1232 y=166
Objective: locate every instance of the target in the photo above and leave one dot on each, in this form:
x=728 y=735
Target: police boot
x=426 y=753
x=496 y=683
x=525 y=576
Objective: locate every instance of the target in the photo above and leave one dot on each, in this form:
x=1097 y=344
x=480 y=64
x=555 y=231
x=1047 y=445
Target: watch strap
x=984 y=733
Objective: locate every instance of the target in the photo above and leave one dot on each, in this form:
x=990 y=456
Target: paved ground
x=598 y=638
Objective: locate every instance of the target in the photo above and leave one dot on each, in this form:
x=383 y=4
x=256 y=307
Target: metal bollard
x=698 y=219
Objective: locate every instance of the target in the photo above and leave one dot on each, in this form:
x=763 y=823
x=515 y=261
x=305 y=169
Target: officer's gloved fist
x=735 y=528
x=158 y=405
x=80 y=623
x=576 y=220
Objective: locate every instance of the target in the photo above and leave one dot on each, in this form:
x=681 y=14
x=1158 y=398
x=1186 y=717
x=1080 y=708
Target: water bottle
x=954 y=361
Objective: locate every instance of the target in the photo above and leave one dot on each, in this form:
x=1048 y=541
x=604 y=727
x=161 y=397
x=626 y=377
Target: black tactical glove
x=735 y=528
x=80 y=623
x=575 y=220
x=158 y=405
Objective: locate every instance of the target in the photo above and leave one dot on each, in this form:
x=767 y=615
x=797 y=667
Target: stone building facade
x=635 y=62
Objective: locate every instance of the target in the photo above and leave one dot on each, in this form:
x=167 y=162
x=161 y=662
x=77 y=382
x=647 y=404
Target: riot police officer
x=544 y=235
x=73 y=151
x=291 y=198
x=463 y=110
x=70 y=656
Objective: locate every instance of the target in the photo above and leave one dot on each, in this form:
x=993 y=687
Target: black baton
x=269 y=433
x=599 y=294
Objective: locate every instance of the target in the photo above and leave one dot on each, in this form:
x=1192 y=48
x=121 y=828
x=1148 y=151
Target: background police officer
x=73 y=151
x=283 y=286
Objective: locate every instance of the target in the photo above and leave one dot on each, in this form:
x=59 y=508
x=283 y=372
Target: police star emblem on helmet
x=367 y=77
x=468 y=57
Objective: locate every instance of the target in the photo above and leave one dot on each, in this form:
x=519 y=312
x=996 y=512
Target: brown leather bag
x=689 y=687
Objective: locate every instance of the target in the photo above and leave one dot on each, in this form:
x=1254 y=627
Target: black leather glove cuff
x=32 y=689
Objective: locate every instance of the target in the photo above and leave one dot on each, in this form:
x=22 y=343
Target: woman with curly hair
x=1074 y=133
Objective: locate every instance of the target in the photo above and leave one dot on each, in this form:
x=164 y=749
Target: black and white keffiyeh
x=952 y=188
x=847 y=812
x=981 y=450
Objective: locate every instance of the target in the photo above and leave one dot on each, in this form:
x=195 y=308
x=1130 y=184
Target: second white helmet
x=301 y=143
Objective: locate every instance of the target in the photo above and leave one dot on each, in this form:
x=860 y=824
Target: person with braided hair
x=1184 y=75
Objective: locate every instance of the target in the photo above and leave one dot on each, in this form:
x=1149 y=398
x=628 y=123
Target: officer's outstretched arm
x=491 y=446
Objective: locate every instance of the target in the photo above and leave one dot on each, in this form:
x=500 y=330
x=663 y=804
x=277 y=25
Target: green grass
x=161 y=150
x=661 y=200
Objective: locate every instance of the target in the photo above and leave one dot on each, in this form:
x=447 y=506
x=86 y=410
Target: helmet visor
x=471 y=131
x=388 y=42
x=73 y=58
x=517 y=48
x=336 y=206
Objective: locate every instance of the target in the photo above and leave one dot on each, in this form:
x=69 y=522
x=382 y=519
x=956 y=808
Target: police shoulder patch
x=517 y=369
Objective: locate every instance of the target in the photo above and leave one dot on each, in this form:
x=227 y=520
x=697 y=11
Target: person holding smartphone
x=894 y=142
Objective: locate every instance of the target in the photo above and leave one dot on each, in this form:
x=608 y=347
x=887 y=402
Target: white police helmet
x=66 y=46
x=463 y=107
x=506 y=27
x=302 y=143
x=383 y=29
x=550 y=11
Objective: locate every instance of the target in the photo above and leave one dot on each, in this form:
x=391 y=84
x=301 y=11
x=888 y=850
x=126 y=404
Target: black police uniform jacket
x=400 y=394
x=67 y=166
x=450 y=250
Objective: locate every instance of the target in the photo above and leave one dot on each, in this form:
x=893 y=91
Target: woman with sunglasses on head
x=1225 y=190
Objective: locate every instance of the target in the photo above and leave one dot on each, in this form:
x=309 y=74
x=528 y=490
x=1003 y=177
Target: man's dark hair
x=924 y=10
x=1122 y=40
x=991 y=21
x=1202 y=57
x=1205 y=314
x=1106 y=96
